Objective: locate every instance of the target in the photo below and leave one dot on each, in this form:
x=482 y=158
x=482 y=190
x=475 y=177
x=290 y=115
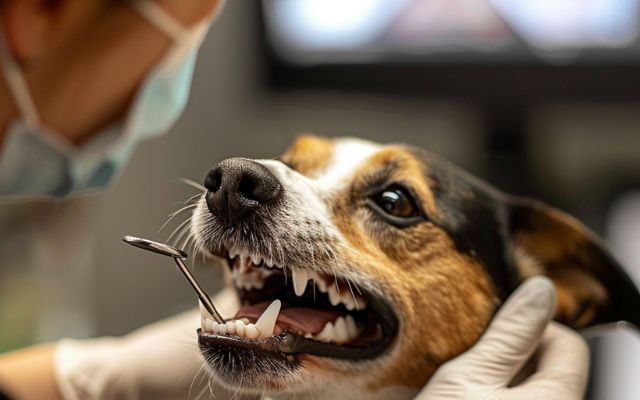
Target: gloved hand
x=158 y=361
x=490 y=368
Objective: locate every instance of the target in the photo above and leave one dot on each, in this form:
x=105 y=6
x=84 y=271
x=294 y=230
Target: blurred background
x=540 y=98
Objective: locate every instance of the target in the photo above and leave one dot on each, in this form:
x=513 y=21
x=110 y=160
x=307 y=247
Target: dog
x=361 y=268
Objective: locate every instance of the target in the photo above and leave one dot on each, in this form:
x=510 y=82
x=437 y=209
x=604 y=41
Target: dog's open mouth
x=290 y=310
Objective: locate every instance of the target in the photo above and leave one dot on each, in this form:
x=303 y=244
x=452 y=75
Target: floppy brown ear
x=592 y=288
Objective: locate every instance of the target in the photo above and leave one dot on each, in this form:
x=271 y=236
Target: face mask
x=37 y=161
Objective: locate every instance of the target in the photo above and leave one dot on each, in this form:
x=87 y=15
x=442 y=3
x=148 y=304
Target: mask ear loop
x=18 y=85
x=160 y=18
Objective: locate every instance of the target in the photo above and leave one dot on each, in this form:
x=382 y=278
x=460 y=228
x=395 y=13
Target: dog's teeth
x=256 y=260
x=299 y=278
x=347 y=300
x=240 y=328
x=352 y=329
x=320 y=283
x=334 y=296
x=218 y=328
x=232 y=254
x=251 y=332
x=231 y=327
x=327 y=334
x=267 y=320
x=340 y=329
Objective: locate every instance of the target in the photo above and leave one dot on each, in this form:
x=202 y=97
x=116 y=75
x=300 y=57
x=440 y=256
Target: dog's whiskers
x=193 y=184
x=179 y=229
x=175 y=213
x=351 y=290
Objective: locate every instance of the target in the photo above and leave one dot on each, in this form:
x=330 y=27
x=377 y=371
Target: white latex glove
x=159 y=361
x=521 y=326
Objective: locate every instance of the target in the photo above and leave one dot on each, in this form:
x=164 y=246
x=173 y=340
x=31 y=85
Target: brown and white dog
x=363 y=267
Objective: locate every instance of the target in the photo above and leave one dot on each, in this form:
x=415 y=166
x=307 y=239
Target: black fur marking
x=474 y=215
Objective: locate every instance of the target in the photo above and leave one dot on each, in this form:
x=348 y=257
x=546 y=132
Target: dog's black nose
x=237 y=187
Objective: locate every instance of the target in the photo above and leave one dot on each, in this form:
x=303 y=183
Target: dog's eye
x=396 y=205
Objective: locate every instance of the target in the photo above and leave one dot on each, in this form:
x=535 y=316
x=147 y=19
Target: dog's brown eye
x=397 y=206
x=396 y=203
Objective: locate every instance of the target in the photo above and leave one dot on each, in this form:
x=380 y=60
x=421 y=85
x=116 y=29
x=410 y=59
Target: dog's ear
x=591 y=286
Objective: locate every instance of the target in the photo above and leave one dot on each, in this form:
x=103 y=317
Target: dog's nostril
x=247 y=188
x=213 y=181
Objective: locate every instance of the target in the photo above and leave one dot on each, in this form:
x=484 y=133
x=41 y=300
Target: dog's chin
x=316 y=333
x=247 y=367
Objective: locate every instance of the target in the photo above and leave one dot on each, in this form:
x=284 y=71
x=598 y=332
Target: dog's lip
x=289 y=343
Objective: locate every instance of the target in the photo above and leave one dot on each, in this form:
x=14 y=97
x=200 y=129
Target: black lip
x=289 y=343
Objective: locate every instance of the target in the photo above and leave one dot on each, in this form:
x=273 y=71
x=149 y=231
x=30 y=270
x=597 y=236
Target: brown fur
x=309 y=154
x=561 y=245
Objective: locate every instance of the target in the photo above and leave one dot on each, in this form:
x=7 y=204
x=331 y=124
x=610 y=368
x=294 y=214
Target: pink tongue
x=308 y=320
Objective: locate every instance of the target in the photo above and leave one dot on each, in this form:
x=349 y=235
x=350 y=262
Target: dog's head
x=387 y=261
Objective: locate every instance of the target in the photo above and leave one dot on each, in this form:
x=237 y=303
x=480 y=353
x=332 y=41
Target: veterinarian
x=81 y=83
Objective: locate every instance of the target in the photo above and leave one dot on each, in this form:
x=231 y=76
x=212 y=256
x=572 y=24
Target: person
x=85 y=81
x=82 y=83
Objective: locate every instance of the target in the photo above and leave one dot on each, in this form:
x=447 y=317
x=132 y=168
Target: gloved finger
x=562 y=368
x=514 y=333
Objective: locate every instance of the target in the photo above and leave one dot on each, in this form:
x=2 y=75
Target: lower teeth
x=340 y=331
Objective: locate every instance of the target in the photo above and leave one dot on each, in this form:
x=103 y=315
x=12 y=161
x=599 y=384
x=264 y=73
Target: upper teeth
x=253 y=278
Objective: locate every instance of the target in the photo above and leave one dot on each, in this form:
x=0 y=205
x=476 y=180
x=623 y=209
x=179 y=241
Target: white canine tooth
x=351 y=327
x=240 y=327
x=231 y=327
x=327 y=334
x=251 y=332
x=334 y=296
x=267 y=320
x=232 y=254
x=208 y=323
x=340 y=329
x=299 y=278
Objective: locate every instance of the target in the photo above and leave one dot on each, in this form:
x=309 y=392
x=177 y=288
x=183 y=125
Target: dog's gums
x=298 y=311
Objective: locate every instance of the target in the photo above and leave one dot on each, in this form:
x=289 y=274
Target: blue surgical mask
x=36 y=161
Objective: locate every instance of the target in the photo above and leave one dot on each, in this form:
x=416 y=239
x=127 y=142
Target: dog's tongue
x=308 y=320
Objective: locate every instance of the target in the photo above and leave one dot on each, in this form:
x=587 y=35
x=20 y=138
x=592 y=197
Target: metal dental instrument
x=178 y=256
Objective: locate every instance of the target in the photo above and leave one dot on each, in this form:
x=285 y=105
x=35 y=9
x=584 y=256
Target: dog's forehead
x=347 y=155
